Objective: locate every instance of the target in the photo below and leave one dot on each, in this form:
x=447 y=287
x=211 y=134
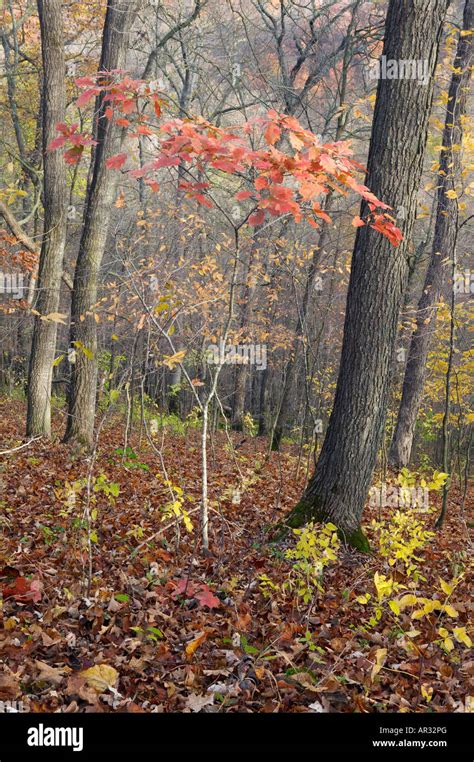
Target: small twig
x=20 y=447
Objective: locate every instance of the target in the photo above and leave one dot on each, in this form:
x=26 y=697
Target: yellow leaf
x=445 y=587
x=380 y=656
x=462 y=637
x=407 y=600
x=172 y=360
x=427 y=692
x=431 y=606
x=450 y=611
x=394 y=605
x=101 y=677
x=448 y=644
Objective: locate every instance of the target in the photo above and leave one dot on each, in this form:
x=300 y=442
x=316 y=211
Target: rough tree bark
x=55 y=221
x=443 y=244
x=99 y=201
x=338 y=489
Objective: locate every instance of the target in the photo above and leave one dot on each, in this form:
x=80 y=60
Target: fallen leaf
x=23 y=589
x=53 y=675
x=9 y=686
x=194 y=644
x=101 y=677
x=380 y=656
x=207 y=598
x=196 y=703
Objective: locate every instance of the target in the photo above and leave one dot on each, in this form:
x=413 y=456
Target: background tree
x=98 y=204
x=448 y=177
x=339 y=487
x=54 y=234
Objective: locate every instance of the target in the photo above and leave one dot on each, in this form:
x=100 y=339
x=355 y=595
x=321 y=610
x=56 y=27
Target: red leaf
x=206 y=598
x=153 y=185
x=203 y=200
x=84 y=82
x=321 y=213
x=157 y=106
x=73 y=155
x=384 y=225
x=128 y=106
x=184 y=587
x=257 y=218
x=166 y=161
x=56 y=143
x=327 y=163
x=86 y=96
x=261 y=182
x=225 y=165
x=117 y=161
x=24 y=589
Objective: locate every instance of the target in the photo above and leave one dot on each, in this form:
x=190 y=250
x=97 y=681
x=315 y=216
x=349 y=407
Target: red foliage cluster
x=287 y=176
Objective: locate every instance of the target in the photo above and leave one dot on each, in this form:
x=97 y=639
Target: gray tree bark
x=55 y=221
x=100 y=196
x=443 y=245
x=338 y=489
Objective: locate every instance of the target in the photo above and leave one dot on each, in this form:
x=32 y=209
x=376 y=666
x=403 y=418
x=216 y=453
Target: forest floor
x=164 y=628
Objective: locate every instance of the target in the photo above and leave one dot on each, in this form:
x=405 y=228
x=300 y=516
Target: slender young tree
x=99 y=201
x=55 y=221
x=443 y=245
x=338 y=489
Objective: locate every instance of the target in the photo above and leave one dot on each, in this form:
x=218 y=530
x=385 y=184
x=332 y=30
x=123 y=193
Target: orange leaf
x=194 y=644
x=272 y=133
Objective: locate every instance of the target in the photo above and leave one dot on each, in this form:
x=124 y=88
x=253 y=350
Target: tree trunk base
x=306 y=511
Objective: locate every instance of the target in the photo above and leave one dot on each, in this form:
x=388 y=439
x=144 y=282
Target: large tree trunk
x=55 y=221
x=100 y=196
x=339 y=486
x=443 y=244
